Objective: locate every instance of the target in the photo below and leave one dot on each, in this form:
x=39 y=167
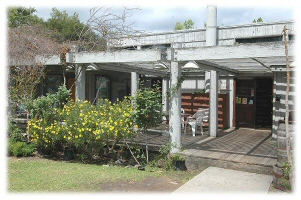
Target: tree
x=288 y=136
x=258 y=20
x=29 y=37
x=25 y=43
x=188 y=24
x=147 y=109
x=18 y=16
x=109 y=27
x=179 y=26
x=65 y=27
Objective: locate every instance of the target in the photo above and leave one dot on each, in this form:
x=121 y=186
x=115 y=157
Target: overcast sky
x=164 y=18
x=158 y=16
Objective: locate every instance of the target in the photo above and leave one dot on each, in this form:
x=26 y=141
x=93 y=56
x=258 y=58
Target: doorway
x=70 y=83
x=264 y=103
x=253 y=103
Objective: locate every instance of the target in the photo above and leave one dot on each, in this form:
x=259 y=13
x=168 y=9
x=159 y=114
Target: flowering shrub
x=84 y=127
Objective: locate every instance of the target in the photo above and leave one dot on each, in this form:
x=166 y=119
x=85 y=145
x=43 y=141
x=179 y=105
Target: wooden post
x=288 y=136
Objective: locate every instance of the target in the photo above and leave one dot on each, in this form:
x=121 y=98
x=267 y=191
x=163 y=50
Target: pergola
x=259 y=59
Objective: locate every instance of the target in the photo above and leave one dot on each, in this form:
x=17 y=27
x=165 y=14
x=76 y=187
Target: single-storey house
x=245 y=63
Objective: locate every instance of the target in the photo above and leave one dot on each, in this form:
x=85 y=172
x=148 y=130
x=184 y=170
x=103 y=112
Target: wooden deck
x=243 y=149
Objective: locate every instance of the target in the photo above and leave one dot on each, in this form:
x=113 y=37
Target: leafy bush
x=19 y=149
x=84 y=127
x=14 y=132
x=165 y=160
x=148 y=107
x=10 y=146
x=285 y=179
x=42 y=107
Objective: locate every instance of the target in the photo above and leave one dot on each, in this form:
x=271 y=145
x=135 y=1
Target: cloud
x=163 y=18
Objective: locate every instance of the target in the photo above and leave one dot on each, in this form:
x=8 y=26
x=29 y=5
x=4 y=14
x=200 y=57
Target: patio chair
x=202 y=115
x=182 y=118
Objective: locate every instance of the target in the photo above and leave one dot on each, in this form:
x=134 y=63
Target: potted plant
x=179 y=162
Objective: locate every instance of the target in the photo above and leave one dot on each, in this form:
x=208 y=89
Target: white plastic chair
x=182 y=118
x=202 y=115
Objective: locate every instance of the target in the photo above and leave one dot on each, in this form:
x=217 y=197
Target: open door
x=71 y=83
x=244 y=104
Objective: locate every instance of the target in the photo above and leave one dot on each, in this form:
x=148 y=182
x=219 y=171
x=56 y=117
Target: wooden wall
x=192 y=102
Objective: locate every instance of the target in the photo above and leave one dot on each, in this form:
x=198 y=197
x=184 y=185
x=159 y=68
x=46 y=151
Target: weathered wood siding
x=192 y=102
x=226 y=35
x=279 y=106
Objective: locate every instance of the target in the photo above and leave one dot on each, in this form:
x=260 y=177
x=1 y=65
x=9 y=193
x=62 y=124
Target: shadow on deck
x=241 y=149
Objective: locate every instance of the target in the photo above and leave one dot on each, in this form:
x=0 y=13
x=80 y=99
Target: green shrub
x=285 y=181
x=166 y=160
x=10 y=146
x=43 y=106
x=84 y=127
x=148 y=107
x=19 y=149
x=14 y=132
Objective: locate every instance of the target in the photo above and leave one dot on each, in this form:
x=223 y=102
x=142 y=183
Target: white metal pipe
x=211 y=26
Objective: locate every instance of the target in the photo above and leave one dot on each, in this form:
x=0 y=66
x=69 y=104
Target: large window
x=102 y=87
x=52 y=83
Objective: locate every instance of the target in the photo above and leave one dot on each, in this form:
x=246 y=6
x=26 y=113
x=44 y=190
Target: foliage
x=65 y=27
x=19 y=149
x=177 y=86
x=25 y=71
x=16 y=145
x=179 y=26
x=165 y=159
x=110 y=26
x=18 y=16
x=285 y=180
x=188 y=24
x=258 y=20
x=14 y=132
x=84 y=127
x=147 y=108
x=42 y=107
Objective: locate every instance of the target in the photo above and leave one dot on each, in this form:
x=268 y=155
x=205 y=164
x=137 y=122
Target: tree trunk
x=288 y=141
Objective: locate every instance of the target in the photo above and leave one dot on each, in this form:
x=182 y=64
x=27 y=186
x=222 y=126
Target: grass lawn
x=42 y=175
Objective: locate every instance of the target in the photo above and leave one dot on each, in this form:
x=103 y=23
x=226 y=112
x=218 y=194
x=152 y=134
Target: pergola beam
x=122 y=56
x=258 y=50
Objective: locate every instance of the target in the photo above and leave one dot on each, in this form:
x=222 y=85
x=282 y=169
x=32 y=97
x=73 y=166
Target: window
x=259 y=40
x=52 y=83
x=102 y=87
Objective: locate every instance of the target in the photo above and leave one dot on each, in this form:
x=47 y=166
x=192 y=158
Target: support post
x=80 y=83
x=175 y=109
x=213 y=104
x=165 y=84
x=231 y=101
x=207 y=82
x=134 y=83
x=211 y=40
